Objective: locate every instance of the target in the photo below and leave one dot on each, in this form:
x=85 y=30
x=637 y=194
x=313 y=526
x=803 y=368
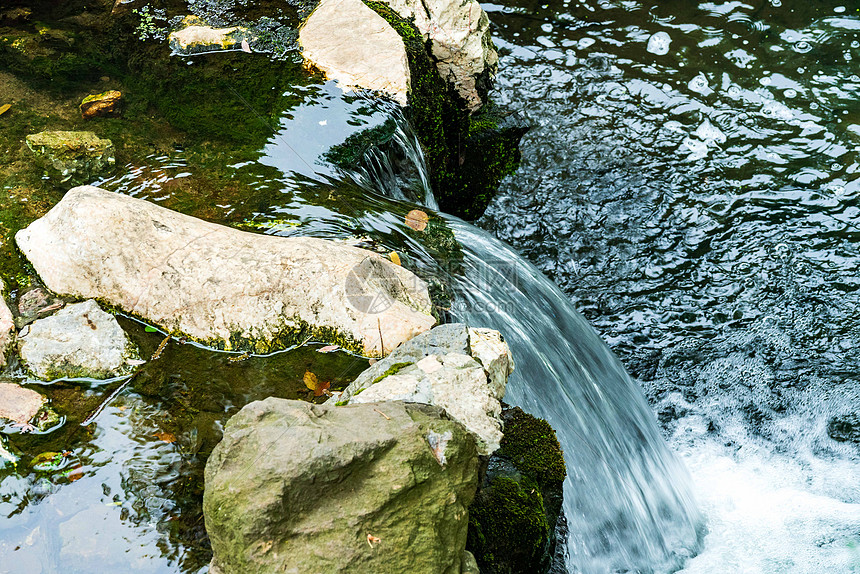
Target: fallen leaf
x=417 y=220
x=311 y=380
x=165 y=437
x=135 y=362
x=74 y=473
x=328 y=349
x=4 y=108
x=371 y=540
x=245 y=46
x=395 y=258
x=313 y=383
x=372 y=361
x=149 y=329
x=322 y=389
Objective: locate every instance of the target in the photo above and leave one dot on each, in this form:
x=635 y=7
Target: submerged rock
x=25 y=408
x=438 y=368
x=80 y=340
x=100 y=105
x=302 y=488
x=35 y=302
x=356 y=47
x=7 y=326
x=228 y=288
x=72 y=157
x=196 y=36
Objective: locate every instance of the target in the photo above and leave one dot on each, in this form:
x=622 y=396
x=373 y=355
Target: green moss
x=531 y=445
x=392 y=370
x=512 y=521
x=508 y=529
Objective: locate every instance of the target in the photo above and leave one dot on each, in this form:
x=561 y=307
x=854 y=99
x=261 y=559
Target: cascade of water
x=382 y=172
x=628 y=499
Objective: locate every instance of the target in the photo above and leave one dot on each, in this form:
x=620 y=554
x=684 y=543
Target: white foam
x=766 y=514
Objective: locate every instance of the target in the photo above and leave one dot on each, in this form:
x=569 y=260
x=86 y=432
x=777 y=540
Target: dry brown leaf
x=322 y=389
x=417 y=220
x=165 y=437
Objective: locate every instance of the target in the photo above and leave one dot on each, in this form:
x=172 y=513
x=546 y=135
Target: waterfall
x=628 y=499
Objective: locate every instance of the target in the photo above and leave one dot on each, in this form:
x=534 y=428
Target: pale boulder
x=80 y=340
x=356 y=47
x=455 y=382
x=221 y=286
x=460 y=41
x=463 y=370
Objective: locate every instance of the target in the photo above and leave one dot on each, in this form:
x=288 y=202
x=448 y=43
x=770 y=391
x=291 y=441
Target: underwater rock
x=460 y=43
x=25 y=408
x=436 y=368
x=303 y=488
x=72 y=157
x=227 y=288
x=7 y=325
x=356 y=47
x=80 y=340
x=33 y=303
x=100 y=105
x=512 y=521
x=196 y=36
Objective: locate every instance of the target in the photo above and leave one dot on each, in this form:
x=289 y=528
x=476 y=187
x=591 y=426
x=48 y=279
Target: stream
x=684 y=212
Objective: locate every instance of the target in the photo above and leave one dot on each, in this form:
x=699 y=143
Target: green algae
x=512 y=520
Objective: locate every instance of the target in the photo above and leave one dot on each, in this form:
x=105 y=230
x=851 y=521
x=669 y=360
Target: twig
x=109 y=399
x=160 y=348
x=383 y=414
x=381 y=344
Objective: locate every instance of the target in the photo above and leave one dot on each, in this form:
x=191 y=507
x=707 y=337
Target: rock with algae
x=195 y=36
x=72 y=157
x=302 y=488
x=228 y=288
x=80 y=340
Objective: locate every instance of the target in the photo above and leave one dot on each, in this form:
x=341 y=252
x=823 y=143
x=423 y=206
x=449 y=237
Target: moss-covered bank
x=512 y=522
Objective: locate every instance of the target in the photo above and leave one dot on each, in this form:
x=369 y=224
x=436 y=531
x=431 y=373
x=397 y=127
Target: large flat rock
x=221 y=286
x=356 y=47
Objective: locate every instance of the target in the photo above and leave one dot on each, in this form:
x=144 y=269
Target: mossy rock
x=467 y=156
x=512 y=522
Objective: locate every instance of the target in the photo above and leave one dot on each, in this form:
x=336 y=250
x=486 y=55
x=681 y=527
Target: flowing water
x=691 y=183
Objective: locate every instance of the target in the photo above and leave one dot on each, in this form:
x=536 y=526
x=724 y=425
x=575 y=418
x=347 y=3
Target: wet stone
x=25 y=408
x=7 y=326
x=35 y=303
x=72 y=157
x=197 y=36
x=80 y=340
x=105 y=104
